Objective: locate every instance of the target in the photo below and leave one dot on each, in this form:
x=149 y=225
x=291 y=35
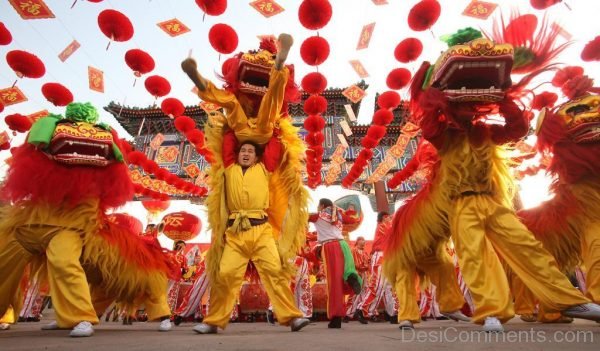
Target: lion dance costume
x=260 y=214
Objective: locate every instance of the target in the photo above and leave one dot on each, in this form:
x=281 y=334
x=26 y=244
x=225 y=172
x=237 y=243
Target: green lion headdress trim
x=82 y=112
x=462 y=36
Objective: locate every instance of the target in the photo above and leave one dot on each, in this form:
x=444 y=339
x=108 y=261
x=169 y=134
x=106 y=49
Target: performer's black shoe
x=394 y=319
x=361 y=318
x=177 y=319
x=270 y=317
x=335 y=323
x=354 y=283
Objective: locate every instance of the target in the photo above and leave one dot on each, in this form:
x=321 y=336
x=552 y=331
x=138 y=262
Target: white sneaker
x=299 y=323
x=492 y=324
x=82 y=329
x=204 y=328
x=50 y=326
x=457 y=316
x=4 y=326
x=165 y=325
x=406 y=325
x=589 y=311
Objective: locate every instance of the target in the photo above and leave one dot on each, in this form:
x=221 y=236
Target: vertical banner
x=69 y=50
x=365 y=36
x=96 y=79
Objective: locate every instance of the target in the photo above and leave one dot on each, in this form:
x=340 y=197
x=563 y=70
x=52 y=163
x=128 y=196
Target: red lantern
x=181 y=226
x=212 y=7
x=18 y=123
x=139 y=61
x=408 y=50
x=591 y=51
x=398 y=78
x=184 y=124
x=57 y=94
x=172 y=107
x=115 y=25
x=424 y=15
x=314 y=14
x=314 y=50
x=314 y=83
x=543 y=4
x=128 y=222
x=157 y=86
x=155 y=207
x=5 y=36
x=223 y=38
x=25 y=64
x=315 y=105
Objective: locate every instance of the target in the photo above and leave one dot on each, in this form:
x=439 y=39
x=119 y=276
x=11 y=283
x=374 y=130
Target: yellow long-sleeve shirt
x=247 y=192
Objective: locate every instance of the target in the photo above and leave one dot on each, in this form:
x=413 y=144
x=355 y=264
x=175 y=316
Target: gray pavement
x=429 y=335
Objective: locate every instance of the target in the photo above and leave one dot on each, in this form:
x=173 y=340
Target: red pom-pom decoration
x=566 y=73
x=315 y=105
x=388 y=100
x=408 y=50
x=398 y=78
x=369 y=143
x=314 y=14
x=157 y=86
x=383 y=117
x=591 y=51
x=314 y=83
x=314 y=123
x=172 y=107
x=545 y=99
x=314 y=50
x=424 y=15
x=184 y=124
x=223 y=38
x=314 y=138
x=376 y=132
x=366 y=154
x=18 y=123
x=195 y=136
x=139 y=61
x=115 y=25
x=212 y=7
x=25 y=64
x=5 y=36
x=136 y=157
x=57 y=94
x=543 y=4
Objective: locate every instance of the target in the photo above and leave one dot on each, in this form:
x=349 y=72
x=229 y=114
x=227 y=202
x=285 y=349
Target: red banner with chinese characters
x=359 y=68
x=173 y=27
x=69 y=50
x=267 y=8
x=354 y=93
x=167 y=154
x=479 y=9
x=31 y=9
x=365 y=36
x=37 y=115
x=209 y=107
x=96 y=79
x=12 y=96
x=192 y=170
x=157 y=141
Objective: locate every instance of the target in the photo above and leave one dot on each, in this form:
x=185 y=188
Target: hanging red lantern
x=128 y=222
x=25 y=64
x=543 y=4
x=18 y=123
x=157 y=86
x=314 y=83
x=424 y=15
x=154 y=207
x=115 y=25
x=184 y=124
x=314 y=123
x=172 y=107
x=314 y=14
x=398 y=78
x=591 y=51
x=5 y=36
x=57 y=94
x=181 y=226
x=212 y=7
x=314 y=50
x=139 y=61
x=315 y=105
x=223 y=38
x=408 y=50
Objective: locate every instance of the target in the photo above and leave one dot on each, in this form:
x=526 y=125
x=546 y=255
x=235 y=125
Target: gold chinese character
x=174 y=27
x=10 y=96
x=268 y=7
x=174 y=221
x=30 y=7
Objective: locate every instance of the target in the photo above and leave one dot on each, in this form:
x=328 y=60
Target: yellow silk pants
x=256 y=244
x=68 y=285
x=440 y=269
x=481 y=226
x=155 y=306
x=591 y=260
x=9 y=316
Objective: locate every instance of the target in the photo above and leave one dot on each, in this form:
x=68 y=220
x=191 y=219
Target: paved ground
x=430 y=335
